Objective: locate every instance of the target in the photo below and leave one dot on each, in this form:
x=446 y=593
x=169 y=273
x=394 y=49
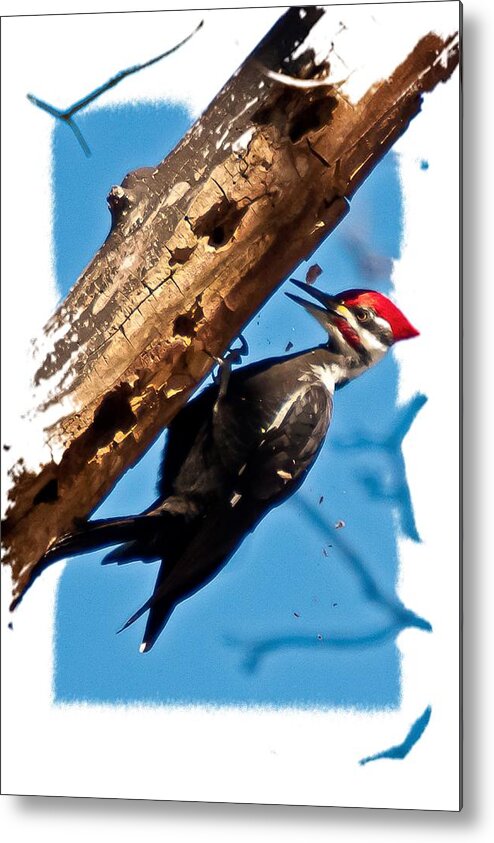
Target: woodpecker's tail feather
x=176 y=582
x=160 y=605
x=90 y=535
x=159 y=615
x=162 y=610
x=93 y=535
x=136 y=615
x=132 y=551
x=199 y=561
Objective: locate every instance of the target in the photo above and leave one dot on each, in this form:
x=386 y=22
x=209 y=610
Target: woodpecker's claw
x=234 y=355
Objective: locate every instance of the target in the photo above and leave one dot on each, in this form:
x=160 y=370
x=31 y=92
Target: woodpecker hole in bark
x=113 y=414
x=48 y=494
x=217 y=235
x=119 y=202
x=315 y=115
x=181 y=255
x=220 y=223
x=296 y=113
x=186 y=324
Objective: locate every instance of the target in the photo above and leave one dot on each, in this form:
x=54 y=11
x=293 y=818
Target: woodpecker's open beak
x=331 y=308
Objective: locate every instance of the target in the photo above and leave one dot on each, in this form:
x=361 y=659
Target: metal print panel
x=232 y=426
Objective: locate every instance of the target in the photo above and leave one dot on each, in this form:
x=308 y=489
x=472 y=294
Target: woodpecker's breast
x=269 y=395
x=324 y=374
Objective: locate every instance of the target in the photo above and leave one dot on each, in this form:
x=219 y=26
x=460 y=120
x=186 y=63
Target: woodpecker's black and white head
x=361 y=325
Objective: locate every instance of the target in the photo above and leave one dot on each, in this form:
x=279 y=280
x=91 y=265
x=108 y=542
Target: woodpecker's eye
x=361 y=314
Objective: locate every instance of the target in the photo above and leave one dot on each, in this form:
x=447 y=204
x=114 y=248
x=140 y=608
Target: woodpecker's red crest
x=383 y=307
x=356 y=316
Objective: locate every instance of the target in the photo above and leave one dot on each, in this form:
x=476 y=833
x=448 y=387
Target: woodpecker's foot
x=234 y=355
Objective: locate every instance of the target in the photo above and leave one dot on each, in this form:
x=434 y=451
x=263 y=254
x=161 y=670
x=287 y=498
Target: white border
x=231 y=754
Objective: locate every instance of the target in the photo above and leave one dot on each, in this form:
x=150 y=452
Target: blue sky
x=293 y=618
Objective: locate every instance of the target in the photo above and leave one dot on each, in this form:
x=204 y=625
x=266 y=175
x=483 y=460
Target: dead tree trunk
x=196 y=246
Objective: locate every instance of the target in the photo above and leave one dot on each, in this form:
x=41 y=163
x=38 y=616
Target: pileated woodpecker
x=240 y=448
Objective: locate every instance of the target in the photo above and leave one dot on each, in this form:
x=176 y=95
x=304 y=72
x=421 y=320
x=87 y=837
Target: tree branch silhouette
x=401 y=750
x=67 y=115
x=401 y=617
x=397 y=492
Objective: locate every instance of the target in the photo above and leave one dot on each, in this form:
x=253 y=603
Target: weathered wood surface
x=196 y=246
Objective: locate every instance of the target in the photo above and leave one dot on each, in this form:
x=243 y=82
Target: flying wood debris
x=313 y=273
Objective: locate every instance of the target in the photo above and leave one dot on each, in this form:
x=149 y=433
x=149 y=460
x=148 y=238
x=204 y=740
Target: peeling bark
x=196 y=245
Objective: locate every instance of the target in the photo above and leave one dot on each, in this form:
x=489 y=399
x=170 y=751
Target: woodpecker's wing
x=272 y=460
x=188 y=425
x=274 y=464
